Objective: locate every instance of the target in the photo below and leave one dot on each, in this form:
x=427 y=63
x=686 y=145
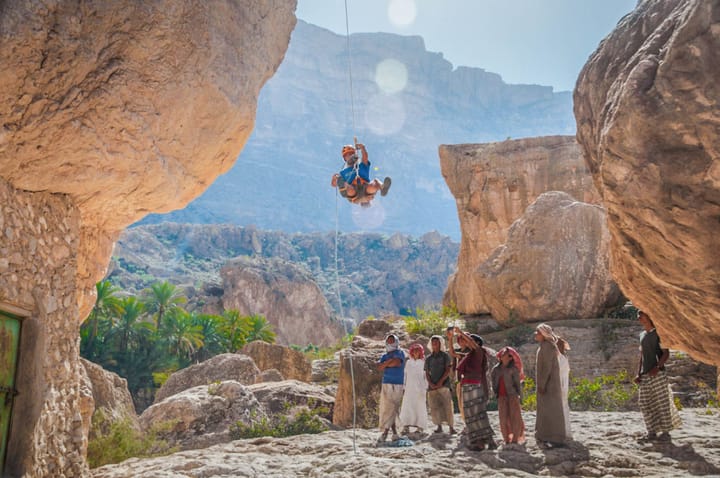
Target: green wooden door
x=9 y=340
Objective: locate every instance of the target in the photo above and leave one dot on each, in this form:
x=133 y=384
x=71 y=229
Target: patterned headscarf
x=419 y=348
x=393 y=346
x=516 y=359
x=440 y=339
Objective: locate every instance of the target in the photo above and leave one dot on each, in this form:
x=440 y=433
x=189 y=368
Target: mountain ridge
x=281 y=179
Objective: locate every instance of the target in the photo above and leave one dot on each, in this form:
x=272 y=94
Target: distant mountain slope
x=281 y=180
x=376 y=274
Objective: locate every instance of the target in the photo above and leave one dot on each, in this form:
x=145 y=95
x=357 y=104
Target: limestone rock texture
x=131 y=107
x=110 y=400
x=110 y=391
x=646 y=106
x=554 y=265
x=493 y=184
x=358 y=366
x=202 y=416
x=605 y=445
x=291 y=364
x=285 y=294
x=279 y=398
x=236 y=367
x=108 y=111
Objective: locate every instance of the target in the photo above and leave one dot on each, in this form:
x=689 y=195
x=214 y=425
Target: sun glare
x=391 y=76
x=368 y=218
x=402 y=12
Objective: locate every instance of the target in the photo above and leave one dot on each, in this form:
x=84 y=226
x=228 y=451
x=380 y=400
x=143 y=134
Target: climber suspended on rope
x=353 y=181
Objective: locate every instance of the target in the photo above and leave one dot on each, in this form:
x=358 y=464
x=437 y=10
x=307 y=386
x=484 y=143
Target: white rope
x=349 y=57
x=342 y=313
x=337 y=227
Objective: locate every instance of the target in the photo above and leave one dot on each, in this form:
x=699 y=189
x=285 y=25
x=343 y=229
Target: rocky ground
x=606 y=446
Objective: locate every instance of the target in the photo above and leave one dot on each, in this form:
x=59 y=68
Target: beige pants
x=441 y=406
x=390 y=400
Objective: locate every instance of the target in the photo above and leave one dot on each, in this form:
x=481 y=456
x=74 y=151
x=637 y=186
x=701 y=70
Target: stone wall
x=39 y=241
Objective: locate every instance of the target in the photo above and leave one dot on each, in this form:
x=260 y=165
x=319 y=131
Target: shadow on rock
x=563 y=460
x=687 y=458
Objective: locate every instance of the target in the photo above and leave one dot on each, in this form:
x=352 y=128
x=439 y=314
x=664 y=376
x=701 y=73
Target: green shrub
x=305 y=421
x=430 y=322
x=118 y=441
x=605 y=393
x=529 y=396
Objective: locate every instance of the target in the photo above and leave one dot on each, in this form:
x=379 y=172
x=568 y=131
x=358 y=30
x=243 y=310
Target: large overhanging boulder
x=128 y=106
x=646 y=105
x=109 y=110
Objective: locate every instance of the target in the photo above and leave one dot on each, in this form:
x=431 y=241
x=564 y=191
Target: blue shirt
x=348 y=174
x=395 y=375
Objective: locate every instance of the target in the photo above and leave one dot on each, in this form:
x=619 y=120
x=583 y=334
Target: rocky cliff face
x=108 y=111
x=377 y=274
x=304 y=118
x=285 y=294
x=647 y=116
x=493 y=184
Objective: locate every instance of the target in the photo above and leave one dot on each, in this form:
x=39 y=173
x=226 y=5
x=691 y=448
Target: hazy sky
x=543 y=42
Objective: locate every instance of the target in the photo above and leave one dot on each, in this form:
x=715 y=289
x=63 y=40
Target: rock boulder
x=286 y=294
x=554 y=265
x=493 y=184
x=278 y=398
x=291 y=364
x=646 y=105
x=237 y=367
x=358 y=366
x=202 y=416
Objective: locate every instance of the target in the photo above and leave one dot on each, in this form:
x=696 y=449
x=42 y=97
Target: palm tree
x=235 y=330
x=128 y=334
x=259 y=329
x=182 y=336
x=213 y=339
x=161 y=297
x=107 y=304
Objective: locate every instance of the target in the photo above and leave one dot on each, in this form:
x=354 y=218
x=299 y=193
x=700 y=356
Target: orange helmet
x=348 y=149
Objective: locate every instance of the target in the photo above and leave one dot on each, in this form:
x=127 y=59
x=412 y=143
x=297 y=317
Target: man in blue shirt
x=392 y=365
x=354 y=182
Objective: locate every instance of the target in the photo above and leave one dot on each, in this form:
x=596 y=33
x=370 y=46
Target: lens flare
x=391 y=76
x=402 y=12
x=368 y=218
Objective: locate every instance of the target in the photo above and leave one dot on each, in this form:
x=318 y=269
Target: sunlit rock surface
x=555 y=264
x=493 y=184
x=108 y=111
x=646 y=105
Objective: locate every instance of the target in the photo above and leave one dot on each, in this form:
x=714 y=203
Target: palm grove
x=147 y=337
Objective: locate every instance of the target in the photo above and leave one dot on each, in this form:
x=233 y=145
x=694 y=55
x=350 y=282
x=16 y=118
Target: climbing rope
x=337 y=223
x=349 y=57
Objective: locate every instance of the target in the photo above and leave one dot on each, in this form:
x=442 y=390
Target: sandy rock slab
x=606 y=445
